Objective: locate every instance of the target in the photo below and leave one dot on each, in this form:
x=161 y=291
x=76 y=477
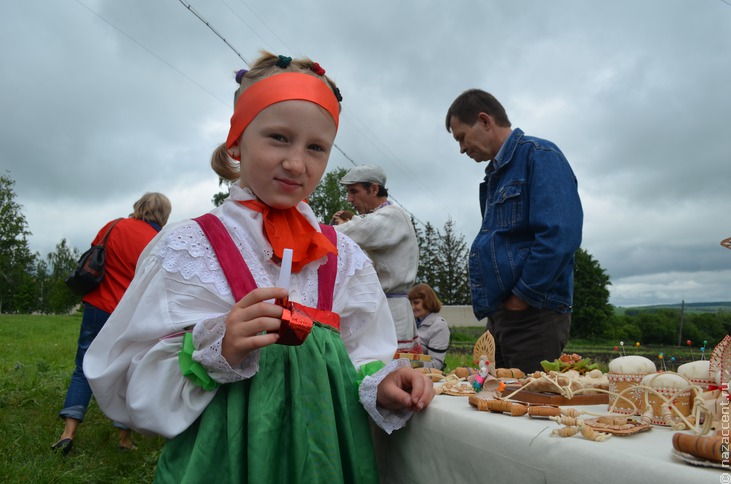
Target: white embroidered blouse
x=132 y=365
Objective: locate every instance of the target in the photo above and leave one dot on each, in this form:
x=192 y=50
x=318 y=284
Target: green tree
x=26 y=294
x=59 y=298
x=329 y=196
x=429 y=263
x=658 y=327
x=711 y=327
x=443 y=262
x=592 y=314
x=219 y=197
x=41 y=279
x=17 y=262
x=623 y=329
x=453 y=277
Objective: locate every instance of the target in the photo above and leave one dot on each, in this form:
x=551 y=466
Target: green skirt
x=298 y=419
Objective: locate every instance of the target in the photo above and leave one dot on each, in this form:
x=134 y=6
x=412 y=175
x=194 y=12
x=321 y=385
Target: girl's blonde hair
x=266 y=65
x=152 y=207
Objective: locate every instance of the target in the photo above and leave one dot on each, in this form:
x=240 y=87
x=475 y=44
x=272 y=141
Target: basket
x=682 y=399
x=702 y=383
x=622 y=382
x=698 y=373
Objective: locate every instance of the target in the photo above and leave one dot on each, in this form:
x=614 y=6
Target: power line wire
x=208 y=24
x=259 y=19
x=150 y=51
x=200 y=17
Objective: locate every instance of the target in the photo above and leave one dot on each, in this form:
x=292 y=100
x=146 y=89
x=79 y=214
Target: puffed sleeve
x=132 y=365
x=367 y=328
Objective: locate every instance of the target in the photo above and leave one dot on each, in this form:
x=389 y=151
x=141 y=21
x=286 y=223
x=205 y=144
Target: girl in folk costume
x=253 y=382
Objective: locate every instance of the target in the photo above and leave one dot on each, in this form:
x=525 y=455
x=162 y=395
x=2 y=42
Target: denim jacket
x=531 y=228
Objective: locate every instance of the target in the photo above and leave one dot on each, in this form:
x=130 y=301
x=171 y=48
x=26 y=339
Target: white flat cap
x=365 y=174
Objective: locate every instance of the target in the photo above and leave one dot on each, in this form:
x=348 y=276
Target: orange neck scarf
x=289 y=229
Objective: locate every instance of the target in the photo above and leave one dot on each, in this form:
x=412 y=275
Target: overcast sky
x=102 y=101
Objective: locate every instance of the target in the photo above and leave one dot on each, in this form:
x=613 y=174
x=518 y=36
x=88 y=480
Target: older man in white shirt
x=384 y=231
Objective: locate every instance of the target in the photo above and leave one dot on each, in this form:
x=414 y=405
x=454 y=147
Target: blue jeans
x=78 y=394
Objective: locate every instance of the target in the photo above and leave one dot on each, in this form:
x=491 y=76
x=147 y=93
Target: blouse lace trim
x=388 y=420
x=188 y=252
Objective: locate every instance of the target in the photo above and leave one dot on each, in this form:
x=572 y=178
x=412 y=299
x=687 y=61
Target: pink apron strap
x=327 y=272
x=232 y=263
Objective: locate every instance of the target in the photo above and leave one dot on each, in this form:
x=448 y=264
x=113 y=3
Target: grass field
x=36 y=361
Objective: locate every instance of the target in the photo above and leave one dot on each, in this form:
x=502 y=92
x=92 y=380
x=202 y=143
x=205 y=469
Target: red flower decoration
x=317 y=69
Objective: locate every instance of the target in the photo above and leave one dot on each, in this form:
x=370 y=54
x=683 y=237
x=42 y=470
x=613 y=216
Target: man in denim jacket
x=522 y=260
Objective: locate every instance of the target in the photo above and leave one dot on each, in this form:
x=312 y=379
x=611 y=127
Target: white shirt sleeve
x=381 y=230
x=132 y=364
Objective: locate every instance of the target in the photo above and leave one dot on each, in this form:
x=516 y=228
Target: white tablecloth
x=452 y=442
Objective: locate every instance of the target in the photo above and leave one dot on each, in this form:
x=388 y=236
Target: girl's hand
x=249 y=317
x=405 y=388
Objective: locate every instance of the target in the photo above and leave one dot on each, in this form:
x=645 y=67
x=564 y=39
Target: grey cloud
x=633 y=92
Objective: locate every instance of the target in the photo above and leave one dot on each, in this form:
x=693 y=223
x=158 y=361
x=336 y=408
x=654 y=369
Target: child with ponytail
x=252 y=382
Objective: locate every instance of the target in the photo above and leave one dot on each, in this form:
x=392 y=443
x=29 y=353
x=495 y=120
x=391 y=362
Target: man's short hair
x=382 y=191
x=468 y=106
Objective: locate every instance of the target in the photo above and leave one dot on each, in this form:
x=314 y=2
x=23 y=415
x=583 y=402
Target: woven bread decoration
x=485 y=345
x=720 y=366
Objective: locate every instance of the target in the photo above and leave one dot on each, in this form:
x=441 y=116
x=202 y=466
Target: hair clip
x=283 y=61
x=240 y=74
x=317 y=69
x=338 y=96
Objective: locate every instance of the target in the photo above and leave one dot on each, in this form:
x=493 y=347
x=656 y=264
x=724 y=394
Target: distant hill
x=700 y=307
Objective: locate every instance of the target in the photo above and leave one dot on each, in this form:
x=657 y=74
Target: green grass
x=36 y=361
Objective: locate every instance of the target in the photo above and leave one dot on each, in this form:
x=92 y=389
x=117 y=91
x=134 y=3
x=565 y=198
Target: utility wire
x=150 y=51
x=250 y=27
x=194 y=12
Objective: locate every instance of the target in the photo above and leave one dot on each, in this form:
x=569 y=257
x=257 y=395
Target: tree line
x=31 y=283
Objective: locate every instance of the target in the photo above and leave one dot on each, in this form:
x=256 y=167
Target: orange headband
x=287 y=86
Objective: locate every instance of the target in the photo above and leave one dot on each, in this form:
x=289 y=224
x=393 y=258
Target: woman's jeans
x=78 y=394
